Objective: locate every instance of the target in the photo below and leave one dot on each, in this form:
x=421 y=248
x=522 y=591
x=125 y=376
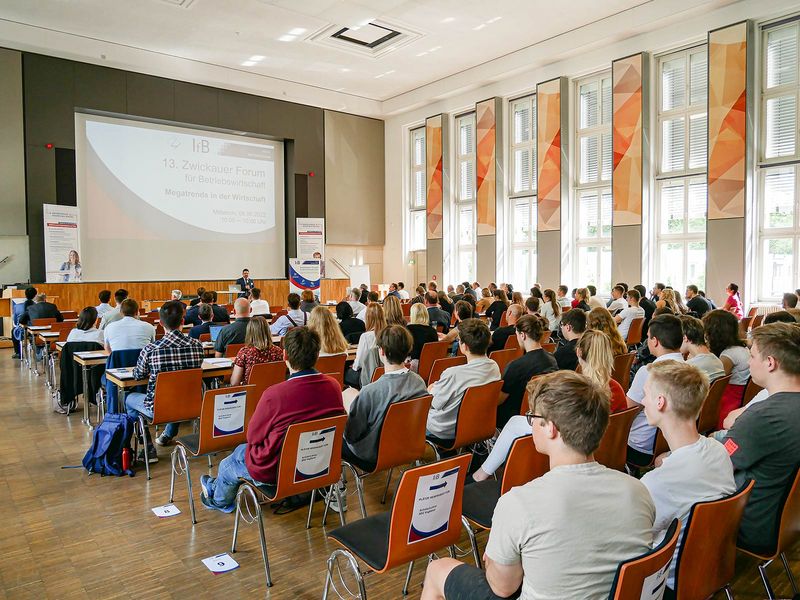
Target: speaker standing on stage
x=245 y=283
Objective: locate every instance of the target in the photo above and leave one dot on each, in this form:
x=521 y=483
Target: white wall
x=653 y=28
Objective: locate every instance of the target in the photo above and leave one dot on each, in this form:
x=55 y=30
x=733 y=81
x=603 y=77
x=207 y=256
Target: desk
x=48 y=337
x=88 y=359
x=29 y=352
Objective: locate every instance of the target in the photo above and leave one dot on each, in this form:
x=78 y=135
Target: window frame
x=458 y=202
x=529 y=197
x=412 y=209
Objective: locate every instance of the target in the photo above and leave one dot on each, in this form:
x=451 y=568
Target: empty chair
x=709 y=411
x=431 y=351
x=390 y=539
x=613 y=447
x=622 y=369
x=642 y=576
x=442 y=364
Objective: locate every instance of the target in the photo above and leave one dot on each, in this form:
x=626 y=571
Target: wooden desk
x=48 y=337
x=91 y=358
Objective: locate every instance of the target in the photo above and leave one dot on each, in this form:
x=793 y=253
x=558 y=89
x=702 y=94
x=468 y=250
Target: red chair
x=431 y=352
x=642 y=576
x=503 y=357
x=613 y=447
x=263 y=375
x=442 y=364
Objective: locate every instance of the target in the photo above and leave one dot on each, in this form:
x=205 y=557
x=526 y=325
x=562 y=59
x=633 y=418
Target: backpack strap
x=291 y=320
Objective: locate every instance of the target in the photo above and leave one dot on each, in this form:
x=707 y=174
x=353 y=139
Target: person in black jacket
x=695 y=302
x=647 y=305
x=352 y=328
x=501 y=334
x=497 y=308
x=421 y=330
x=30 y=294
x=41 y=309
x=436 y=315
x=573 y=324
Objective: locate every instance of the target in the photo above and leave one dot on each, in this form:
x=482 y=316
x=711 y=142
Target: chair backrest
x=43 y=321
x=441 y=364
x=744 y=325
x=263 y=375
x=551 y=347
x=205 y=337
x=503 y=319
x=224 y=417
x=406 y=308
x=231 y=350
x=338 y=377
x=512 y=342
x=707 y=556
x=709 y=411
x=756 y=322
x=544 y=338
x=635 y=331
x=311 y=456
x=750 y=391
x=378 y=373
x=752 y=312
x=789 y=525
x=622 y=369
x=69 y=314
x=477 y=414
x=431 y=351
x=178 y=396
x=411 y=534
x=649 y=569
x=503 y=357
x=525 y=463
x=331 y=364
x=402 y=439
x=614 y=444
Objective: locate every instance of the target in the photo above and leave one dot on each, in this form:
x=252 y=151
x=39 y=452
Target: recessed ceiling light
x=435 y=48
x=297 y=31
x=256 y=58
x=248 y=63
x=422 y=53
x=344 y=70
x=287 y=38
x=379 y=76
x=479 y=27
x=494 y=20
x=389 y=72
x=448 y=20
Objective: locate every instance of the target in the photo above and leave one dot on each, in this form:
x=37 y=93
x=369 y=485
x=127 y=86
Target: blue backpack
x=110 y=438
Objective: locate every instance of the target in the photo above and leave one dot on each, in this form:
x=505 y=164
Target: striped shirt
x=174 y=352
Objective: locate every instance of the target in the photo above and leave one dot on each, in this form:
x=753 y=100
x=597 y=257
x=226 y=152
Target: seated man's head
x=394 y=344
x=568 y=413
x=789 y=301
x=301 y=348
x=40 y=297
x=344 y=311
x=474 y=337
x=779 y=316
x=241 y=308
x=431 y=298
x=573 y=324
x=120 y=295
x=213 y=297
x=664 y=335
x=592 y=290
x=633 y=297
x=255 y=294
x=293 y=300
x=30 y=293
x=200 y=291
x=207 y=298
x=532 y=305
x=775 y=356
x=514 y=312
x=176 y=295
x=206 y=313
x=129 y=308
x=694 y=334
x=104 y=296
x=171 y=314
x=674 y=393
x=355 y=294
x=463 y=310
x=373 y=297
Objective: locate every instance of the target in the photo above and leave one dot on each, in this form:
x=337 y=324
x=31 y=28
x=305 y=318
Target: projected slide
x=187 y=203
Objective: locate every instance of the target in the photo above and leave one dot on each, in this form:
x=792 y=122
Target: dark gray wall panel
x=238 y=111
x=196 y=104
x=725 y=258
x=548 y=265
x=626 y=253
x=435 y=261
x=99 y=87
x=149 y=96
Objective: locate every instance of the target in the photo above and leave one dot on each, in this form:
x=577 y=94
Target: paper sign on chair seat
x=229 y=413
x=432 y=504
x=314 y=454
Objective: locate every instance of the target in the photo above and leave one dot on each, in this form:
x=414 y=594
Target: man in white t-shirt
x=257 y=305
x=402 y=291
x=664 y=338
x=594 y=299
x=697 y=468
x=696 y=351
x=617 y=301
x=561 y=296
x=128 y=333
x=563 y=534
x=355 y=304
x=633 y=311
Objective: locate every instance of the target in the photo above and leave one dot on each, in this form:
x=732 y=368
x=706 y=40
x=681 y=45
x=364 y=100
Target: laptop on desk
x=214 y=331
x=234 y=288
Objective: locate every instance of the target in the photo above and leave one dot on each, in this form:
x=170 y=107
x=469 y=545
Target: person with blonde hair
x=597 y=362
x=330 y=334
x=258 y=348
x=667 y=299
x=516 y=298
x=367 y=358
x=582 y=299
x=600 y=319
x=393 y=311
x=421 y=331
x=484 y=302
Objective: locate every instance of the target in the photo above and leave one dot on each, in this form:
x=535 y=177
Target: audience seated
x=294 y=317
x=235 y=332
x=501 y=334
x=349 y=325
x=128 y=333
x=368 y=408
x=372 y=298
x=627 y=315
x=695 y=302
x=366 y=360
x=733 y=303
x=573 y=324
x=549 y=308
x=581 y=300
x=193 y=313
x=596 y=359
x=363 y=294
x=174 y=352
x=463 y=312
x=353 y=301
x=393 y=311
x=762 y=442
x=402 y=292
x=696 y=468
x=695 y=350
x=601 y=320
x=594 y=300
x=305 y=396
x=421 y=332
x=420 y=297
x=104 y=296
x=18 y=311
x=199 y=294
x=448 y=392
x=332 y=340
x=258 y=349
x=206 y=316
x=40 y=309
x=664 y=339
x=258 y=306
x=497 y=308
x=393 y=291
x=561 y=296
x=307 y=301
x=220 y=312
x=534 y=361
x=655 y=293
x=114 y=314
x=722 y=336
x=436 y=315
x=84 y=330
x=646 y=304
x=484 y=302
x=563 y=534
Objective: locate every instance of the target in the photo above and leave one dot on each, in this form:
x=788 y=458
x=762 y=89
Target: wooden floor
x=65 y=534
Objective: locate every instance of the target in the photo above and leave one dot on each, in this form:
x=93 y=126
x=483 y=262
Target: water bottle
x=126 y=459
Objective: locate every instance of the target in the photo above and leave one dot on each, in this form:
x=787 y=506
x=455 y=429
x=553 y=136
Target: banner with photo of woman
x=62 y=252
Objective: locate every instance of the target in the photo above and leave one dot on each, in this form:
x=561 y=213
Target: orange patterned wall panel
x=727 y=122
x=434 y=165
x=486 y=119
x=627 y=139
x=548 y=154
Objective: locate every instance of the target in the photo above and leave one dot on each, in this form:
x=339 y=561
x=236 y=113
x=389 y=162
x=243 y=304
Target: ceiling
x=445 y=36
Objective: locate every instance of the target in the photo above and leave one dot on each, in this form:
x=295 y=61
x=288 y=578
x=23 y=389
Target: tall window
x=522 y=192
x=593 y=182
x=778 y=223
x=465 y=198
x=417 y=231
x=681 y=190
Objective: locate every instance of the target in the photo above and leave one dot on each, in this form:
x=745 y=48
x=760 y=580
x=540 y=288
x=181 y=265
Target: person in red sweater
x=305 y=396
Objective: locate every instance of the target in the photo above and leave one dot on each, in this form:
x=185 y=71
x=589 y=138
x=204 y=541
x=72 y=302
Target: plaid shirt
x=173 y=352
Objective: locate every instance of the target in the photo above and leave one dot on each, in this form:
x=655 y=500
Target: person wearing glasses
x=573 y=324
x=546 y=539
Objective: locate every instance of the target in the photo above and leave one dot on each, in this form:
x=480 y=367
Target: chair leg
x=789 y=575
x=386 y=489
x=236 y=513
x=408 y=578
x=473 y=541
x=762 y=570
x=359 y=486
x=263 y=540
x=143 y=429
x=728 y=592
x=173 y=459
x=330 y=580
x=188 y=484
x=310 y=508
x=339 y=500
x=210 y=462
x=246 y=491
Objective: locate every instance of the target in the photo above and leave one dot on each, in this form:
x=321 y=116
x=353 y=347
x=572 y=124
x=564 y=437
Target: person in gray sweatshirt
x=368 y=409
